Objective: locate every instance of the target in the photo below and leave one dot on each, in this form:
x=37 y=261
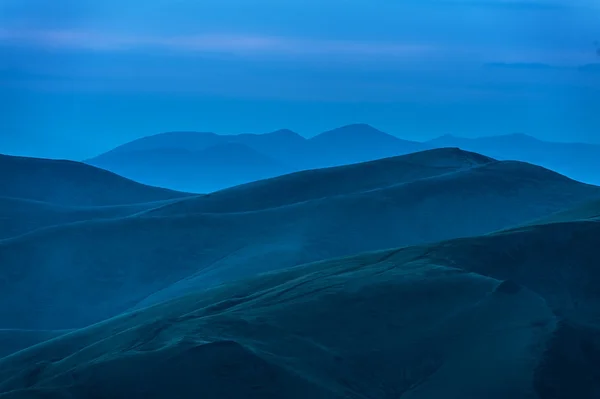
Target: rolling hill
x=19 y=216
x=69 y=183
x=84 y=272
x=511 y=314
x=580 y=161
x=326 y=182
x=587 y=211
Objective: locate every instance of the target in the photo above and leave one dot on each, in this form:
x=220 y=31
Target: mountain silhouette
x=285 y=151
x=358 y=143
x=178 y=160
x=204 y=170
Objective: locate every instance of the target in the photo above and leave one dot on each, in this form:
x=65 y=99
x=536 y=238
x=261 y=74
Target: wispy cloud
x=226 y=43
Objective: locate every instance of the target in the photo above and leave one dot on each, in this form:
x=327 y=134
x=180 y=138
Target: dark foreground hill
x=77 y=274
x=14 y=340
x=69 y=183
x=508 y=315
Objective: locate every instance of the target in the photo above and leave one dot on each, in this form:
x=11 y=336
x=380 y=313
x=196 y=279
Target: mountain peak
x=284 y=132
x=521 y=136
x=355 y=131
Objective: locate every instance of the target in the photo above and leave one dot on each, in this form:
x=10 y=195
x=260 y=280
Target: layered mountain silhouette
x=509 y=314
x=204 y=170
x=441 y=273
x=576 y=160
x=77 y=274
x=357 y=143
x=206 y=162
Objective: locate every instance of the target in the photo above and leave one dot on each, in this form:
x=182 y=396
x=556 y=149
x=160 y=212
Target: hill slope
x=334 y=181
x=71 y=183
x=485 y=317
x=588 y=210
x=577 y=160
x=19 y=216
x=93 y=270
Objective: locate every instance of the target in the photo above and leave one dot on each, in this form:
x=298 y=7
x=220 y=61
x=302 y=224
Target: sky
x=79 y=77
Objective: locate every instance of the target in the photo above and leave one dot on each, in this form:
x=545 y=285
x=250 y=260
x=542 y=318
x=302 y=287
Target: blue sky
x=78 y=77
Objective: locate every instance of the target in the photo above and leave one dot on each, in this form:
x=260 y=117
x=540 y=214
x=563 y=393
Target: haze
x=80 y=77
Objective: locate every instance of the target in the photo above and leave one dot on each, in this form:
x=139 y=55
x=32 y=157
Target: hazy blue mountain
x=267 y=143
x=579 y=161
x=512 y=314
x=95 y=269
x=358 y=143
x=71 y=183
x=284 y=145
x=208 y=169
x=201 y=162
x=198 y=162
x=191 y=141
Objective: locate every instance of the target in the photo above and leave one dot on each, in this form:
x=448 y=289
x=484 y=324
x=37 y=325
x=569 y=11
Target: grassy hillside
x=328 y=182
x=512 y=314
x=81 y=273
x=19 y=216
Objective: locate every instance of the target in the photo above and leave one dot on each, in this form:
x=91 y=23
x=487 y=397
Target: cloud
x=225 y=43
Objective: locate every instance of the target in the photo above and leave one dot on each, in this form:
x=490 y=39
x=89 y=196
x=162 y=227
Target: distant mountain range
x=207 y=162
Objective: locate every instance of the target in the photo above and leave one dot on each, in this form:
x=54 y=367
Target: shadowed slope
x=72 y=184
x=588 y=210
x=407 y=323
x=19 y=216
x=92 y=270
x=12 y=341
